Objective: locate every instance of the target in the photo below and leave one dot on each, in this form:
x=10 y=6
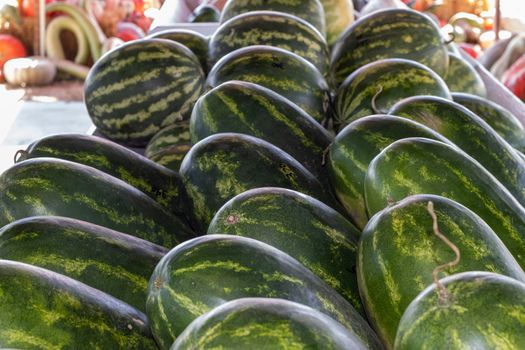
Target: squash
x=29 y=71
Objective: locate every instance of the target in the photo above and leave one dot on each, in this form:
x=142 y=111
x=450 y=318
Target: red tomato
x=10 y=47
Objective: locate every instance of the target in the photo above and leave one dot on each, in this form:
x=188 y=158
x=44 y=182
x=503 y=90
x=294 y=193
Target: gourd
x=29 y=71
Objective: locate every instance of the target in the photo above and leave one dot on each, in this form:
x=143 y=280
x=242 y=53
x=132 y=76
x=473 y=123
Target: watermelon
x=247 y=323
x=141 y=86
x=279 y=70
x=247 y=108
x=169 y=146
x=208 y=271
x=484 y=311
x=195 y=41
x=377 y=86
x=354 y=148
x=41 y=309
x=272 y=28
x=471 y=134
x=110 y=261
x=159 y=183
x=52 y=186
x=398 y=252
x=462 y=77
x=301 y=226
x=418 y=165
x=339 y=15
x=224 y=165
x=309 y=10
x=390 y=33
x=498 y=117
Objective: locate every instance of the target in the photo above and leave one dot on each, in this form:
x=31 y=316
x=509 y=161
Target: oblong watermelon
x=247 y=323
x=169 y=146
x=398 y=252
x=462 y=77
x=498 y=117
x=56 y=187
x=195 y=41
x=354 y=148
x=161 y=184
x=279 y=70
x=113 y=262
x=389 y=33
x=237 y=106
x=208 y=271
x=471 y=134
x=227 y=164
x=423 y=166
x=309 y=10
x=485 y=312
x=272 y=28
x=311 y=232
x=339 y=15
x=141 y=86
x=41 y=309
x=377 y=86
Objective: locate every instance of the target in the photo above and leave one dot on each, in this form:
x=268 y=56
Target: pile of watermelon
x=296 y=193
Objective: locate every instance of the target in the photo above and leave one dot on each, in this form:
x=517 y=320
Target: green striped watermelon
x=41 y=309
x=270 y=28
x=248 y=323
x=301 y=226
x=471 y=134
x=247 y=108
x=339 y=15
x=141 y=86
x=162 y=185
x=390 y=33
x=208 y=271
x=310 y=10
x=279 y=70
x=224 y=165
x=462 y=77
x=485 y=311
x=169 y=146
x=195 y=41
x=498 y=117
x=398 y=252
x=423 y=166
x=354 y=148
x=52 y=186
x=110 y=261
x=375 y=87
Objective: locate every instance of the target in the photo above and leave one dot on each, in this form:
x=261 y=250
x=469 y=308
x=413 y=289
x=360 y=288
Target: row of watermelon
x=332 y=267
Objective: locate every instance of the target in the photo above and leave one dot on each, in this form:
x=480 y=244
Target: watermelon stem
x=451 y=39
x=444 y=297
x=373 y=101
x=325 y=153
x=20 y=155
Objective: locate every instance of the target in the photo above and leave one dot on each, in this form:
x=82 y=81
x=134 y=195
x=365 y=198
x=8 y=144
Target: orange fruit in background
x=10 y=47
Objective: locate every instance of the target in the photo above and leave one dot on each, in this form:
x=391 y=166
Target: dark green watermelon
x=311 y=232
x=280 y=70
x=389 y=33
x=377 y=86
x=483 y=311
x=247 y=323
